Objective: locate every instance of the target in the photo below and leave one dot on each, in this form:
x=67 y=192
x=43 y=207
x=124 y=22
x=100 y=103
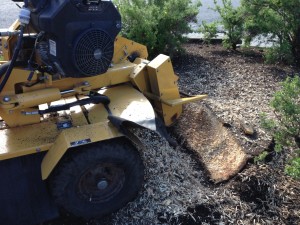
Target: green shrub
x=279 y=18
x=209 y=31
x=286 y=127
x=261 y=157
x=279 y=53
x=233 y=21
x=293 y=169
x=159 y=25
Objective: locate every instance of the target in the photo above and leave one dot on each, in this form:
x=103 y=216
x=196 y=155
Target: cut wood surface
x=217 y=148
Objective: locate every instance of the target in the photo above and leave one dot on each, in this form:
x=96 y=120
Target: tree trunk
x=297 y=140
x=233 y=46
x=296 y=46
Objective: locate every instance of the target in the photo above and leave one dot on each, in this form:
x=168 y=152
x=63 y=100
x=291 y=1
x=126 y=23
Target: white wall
x=9 y=12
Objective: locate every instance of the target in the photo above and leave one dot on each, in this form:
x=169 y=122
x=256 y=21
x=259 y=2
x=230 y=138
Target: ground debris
x=172 y=184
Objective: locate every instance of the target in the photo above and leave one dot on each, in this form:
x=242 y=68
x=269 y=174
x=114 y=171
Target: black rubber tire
x=97 y=179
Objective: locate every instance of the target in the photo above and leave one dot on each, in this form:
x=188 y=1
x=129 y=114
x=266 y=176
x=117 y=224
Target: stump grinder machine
x=70 y=87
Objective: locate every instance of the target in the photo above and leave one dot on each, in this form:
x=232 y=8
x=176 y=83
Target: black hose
x=14 y=59
x=8 y=67
x=3 y=68
x=25 y=3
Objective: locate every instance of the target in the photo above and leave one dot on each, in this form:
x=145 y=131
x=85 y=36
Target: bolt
x=6 y=98
x=102 y=184
x=119 y=25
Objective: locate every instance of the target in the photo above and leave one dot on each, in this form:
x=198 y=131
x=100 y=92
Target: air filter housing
x=79 y=34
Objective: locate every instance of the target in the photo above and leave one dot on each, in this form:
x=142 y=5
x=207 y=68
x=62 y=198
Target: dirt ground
x=240 y=87
x=177 y=189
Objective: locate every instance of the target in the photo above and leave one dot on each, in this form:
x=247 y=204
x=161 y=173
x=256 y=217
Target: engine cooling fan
x=93 y=52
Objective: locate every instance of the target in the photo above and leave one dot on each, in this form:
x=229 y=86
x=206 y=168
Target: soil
x=240 y=87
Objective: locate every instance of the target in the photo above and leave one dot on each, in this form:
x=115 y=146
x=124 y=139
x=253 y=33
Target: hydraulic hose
x=3 y=68
x=24 y=18
x=14 y=59
x=25 y=3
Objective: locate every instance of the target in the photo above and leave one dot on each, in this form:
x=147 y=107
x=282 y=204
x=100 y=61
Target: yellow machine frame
x=137 y=91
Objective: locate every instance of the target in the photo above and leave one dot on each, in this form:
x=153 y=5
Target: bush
x=209 y=31
x=233 y=22
x=286 y=127
x=261 y=157
x=279 y=18
x=160 y=25
x=279 y=53
x=293 y=169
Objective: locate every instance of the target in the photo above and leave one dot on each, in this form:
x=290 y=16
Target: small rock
x=228 y=125
x=167 y=202
x=246 y=127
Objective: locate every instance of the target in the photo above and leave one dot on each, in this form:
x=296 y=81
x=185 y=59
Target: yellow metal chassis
x=135 y=89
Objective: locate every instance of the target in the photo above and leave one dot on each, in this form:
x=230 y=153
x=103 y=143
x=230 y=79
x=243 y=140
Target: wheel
x=97 y=179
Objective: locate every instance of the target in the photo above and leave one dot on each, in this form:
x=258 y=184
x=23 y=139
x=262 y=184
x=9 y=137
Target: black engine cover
x=79 y=34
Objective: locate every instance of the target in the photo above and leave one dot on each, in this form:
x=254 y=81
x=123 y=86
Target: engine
x=75 y=37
